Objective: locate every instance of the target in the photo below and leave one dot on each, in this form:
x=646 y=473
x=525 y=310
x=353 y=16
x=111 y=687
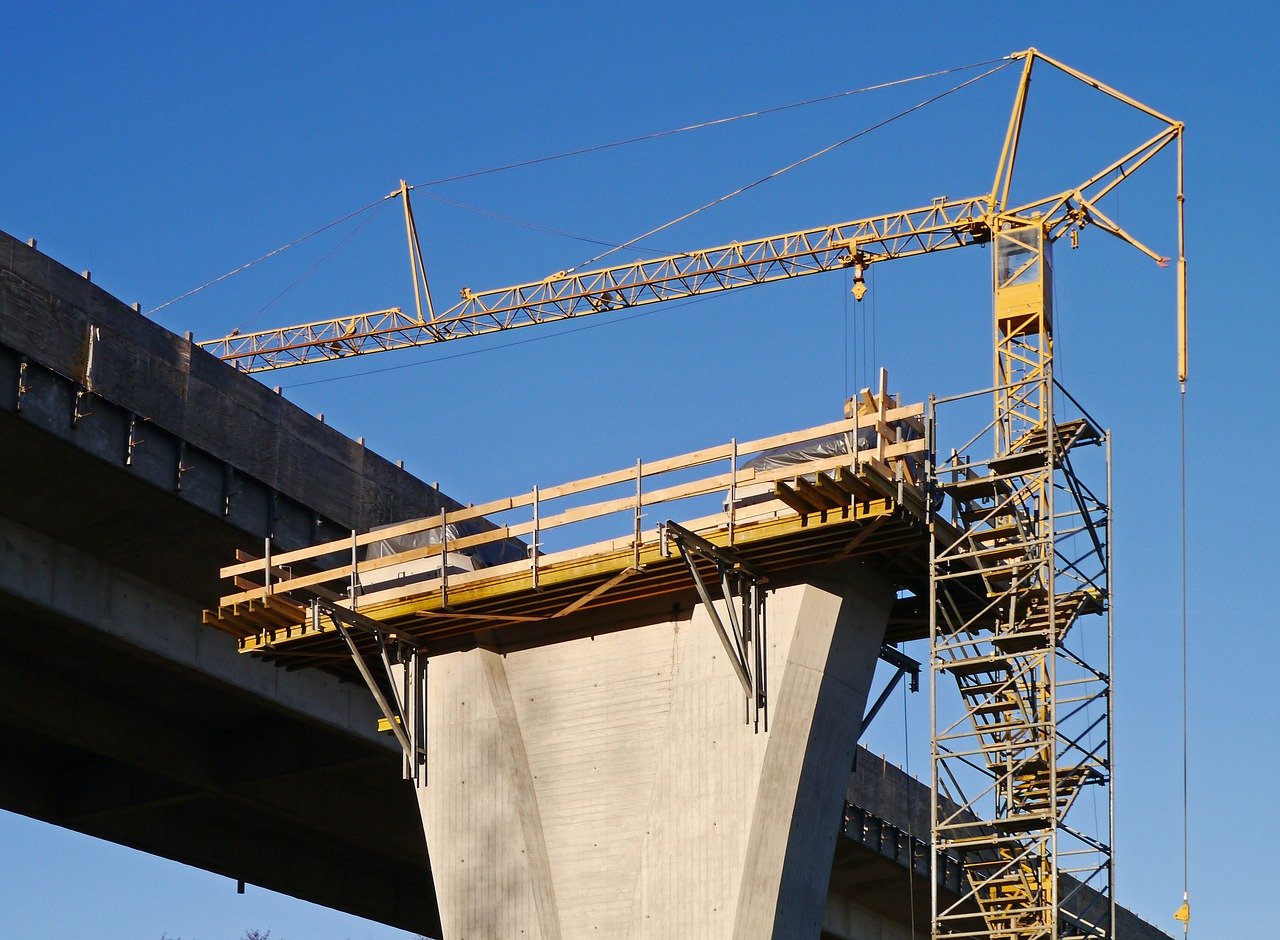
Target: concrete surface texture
x=607 y=785
x=133 y=465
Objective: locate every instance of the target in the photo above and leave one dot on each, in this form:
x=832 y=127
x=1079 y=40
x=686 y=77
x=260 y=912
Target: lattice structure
x=1017 y=599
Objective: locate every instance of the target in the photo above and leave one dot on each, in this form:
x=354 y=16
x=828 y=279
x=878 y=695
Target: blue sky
x=161 y=145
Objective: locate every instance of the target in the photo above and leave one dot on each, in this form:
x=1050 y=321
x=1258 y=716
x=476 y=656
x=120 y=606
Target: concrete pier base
x=607 y=785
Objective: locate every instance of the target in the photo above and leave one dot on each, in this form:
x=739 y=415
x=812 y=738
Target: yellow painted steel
x=942 y=225
x=1013 y=712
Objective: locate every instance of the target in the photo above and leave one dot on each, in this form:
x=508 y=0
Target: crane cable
x=275 y=251
x=655 y=135
x=312 y=270
x=1183 y=913
x=581 y=151
x=545 y=229
x=791 y=166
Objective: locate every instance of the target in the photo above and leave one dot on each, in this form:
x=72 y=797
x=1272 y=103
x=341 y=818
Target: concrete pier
x=607 y=785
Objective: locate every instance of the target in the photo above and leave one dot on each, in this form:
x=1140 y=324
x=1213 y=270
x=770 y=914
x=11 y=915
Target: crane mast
x=1008 y=598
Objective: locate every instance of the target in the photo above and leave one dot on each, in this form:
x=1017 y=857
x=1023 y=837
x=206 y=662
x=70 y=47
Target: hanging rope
x=844 y=319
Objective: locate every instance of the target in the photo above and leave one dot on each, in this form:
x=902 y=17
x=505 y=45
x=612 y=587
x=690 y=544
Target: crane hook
x=859 y=282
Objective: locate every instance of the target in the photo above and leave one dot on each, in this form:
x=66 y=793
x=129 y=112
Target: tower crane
x=943 y=224
x=1004 y=596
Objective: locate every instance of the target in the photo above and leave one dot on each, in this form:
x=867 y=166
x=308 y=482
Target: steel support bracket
x=905 y=666
x=404 y=710
x=744 y=630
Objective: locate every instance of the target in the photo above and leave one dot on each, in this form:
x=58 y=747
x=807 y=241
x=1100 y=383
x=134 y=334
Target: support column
x=607 y=785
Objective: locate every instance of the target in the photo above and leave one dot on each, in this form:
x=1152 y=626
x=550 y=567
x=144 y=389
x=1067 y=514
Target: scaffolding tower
x=1020 y=622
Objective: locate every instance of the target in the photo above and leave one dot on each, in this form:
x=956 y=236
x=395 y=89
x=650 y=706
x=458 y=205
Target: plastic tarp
x=822 y=448
x=818 y=449
x=482 y=556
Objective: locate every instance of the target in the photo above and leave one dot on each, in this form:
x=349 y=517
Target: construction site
x=628 y=701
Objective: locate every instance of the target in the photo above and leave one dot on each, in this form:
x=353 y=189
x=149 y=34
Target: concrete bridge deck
x=132 y=464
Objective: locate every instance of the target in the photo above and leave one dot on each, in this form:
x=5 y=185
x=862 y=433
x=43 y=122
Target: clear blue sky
x=160 y=146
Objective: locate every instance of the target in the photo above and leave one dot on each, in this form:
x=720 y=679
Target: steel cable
x=563 y=155
x=656 y=135
x=791 y=166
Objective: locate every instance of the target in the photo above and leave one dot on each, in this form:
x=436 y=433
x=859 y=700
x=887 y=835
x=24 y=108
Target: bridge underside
x=171 y=773
x=120 y=720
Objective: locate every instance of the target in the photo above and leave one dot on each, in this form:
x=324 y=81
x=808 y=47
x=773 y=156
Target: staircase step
x=1002 y=727
x=982 y=689
x=982 y=514
x=976 y=666
x=1003 y=530
x=997 y=553
x=1069 y=433
x=995 y=707
x=1024 y=823
x=978 y=487
x=1022 y=642
x=1020 y=462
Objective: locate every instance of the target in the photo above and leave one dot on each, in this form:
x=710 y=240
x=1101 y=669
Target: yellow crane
x=1006 y=595
x=943 y=224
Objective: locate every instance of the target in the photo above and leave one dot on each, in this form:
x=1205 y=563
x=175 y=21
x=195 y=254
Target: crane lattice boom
x=938 y=226
x=944 y=224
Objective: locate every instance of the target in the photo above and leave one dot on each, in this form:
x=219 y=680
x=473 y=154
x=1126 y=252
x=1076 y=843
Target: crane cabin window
x=1018 y=257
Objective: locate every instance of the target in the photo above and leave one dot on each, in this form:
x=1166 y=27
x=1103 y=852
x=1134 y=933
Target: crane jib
x=942 y=225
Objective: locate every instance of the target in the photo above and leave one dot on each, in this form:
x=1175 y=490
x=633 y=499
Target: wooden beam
x=868 y=530
x=457 y=615
x=833 y=492
x=591 y=595
x=246 y=563
x=792 y=499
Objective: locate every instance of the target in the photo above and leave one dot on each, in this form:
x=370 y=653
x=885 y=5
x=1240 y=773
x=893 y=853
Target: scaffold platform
x=849 y=489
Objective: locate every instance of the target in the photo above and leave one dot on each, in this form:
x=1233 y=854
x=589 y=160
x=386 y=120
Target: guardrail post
x=639 y=500
x=533 y=548
x=733 y=485
x=444 y=559
x=266 y=564
x=355 y=571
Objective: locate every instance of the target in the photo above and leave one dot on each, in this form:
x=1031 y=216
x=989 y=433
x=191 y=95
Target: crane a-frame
x=1035 y=725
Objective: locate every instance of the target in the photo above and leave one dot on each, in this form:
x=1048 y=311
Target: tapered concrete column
x=607 y=786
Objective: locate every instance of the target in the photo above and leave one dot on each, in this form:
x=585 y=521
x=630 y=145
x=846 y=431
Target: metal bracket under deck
x=745 y=637
x=905 y=666
x=405 y=668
